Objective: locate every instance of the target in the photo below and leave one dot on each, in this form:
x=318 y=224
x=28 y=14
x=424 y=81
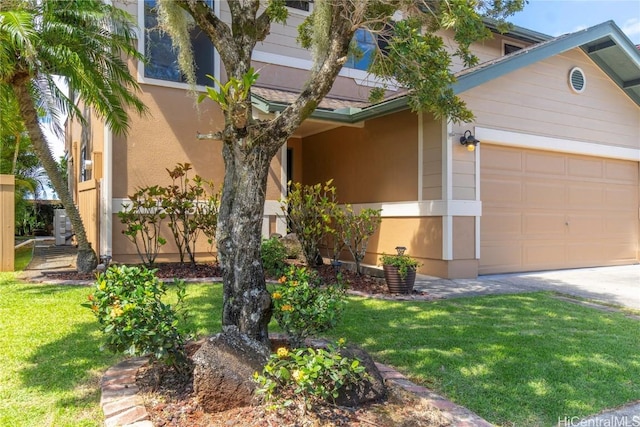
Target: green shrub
x=404 y=263
x=308 y=374
x=355 y=230
x=128 y=304
x=308 y=209
x=274 y=255
x=142 y=219
x=303 y=307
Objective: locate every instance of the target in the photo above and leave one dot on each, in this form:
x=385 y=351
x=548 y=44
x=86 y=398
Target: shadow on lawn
x=526 y=359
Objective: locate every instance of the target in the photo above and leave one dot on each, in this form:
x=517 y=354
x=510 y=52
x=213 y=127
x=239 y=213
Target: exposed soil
x=170 y=402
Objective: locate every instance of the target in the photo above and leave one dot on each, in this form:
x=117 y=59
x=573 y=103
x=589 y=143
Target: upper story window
x=162 y=62
x=508 y=48
x=304 y=5
x=367 y=44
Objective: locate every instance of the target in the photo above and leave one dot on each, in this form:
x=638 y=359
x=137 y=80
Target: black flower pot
x=396 y=283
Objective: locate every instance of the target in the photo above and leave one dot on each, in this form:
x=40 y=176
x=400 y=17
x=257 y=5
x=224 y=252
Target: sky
x=557 y=17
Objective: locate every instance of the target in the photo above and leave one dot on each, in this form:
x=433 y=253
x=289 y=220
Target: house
x=553 y=183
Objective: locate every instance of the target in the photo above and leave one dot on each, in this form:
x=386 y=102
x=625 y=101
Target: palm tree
x=83 y=41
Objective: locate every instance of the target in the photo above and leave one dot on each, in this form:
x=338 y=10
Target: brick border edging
x=122 y=406
x=119 y=399
x=459 y=416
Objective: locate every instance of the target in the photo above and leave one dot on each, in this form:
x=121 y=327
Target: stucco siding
x=538 y=100
x=165 y=137
x=377 y=163
x=421 y=236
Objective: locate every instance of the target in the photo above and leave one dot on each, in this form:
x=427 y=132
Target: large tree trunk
x=87 y=259
x=247 y=303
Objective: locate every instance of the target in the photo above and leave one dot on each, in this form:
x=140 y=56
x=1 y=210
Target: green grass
x=22 y=257
x=50 y=352
x=520 y=360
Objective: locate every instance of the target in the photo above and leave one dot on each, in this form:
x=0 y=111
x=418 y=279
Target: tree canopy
x=414 y=57
x=86 y=42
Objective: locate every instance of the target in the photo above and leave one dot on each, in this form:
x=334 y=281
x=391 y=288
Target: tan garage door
x=544 y=210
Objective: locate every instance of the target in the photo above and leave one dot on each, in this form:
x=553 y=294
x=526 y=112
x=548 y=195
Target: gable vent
x=577 y=80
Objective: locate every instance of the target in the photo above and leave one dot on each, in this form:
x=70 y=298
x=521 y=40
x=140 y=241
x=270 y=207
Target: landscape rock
x=370 y=390
x=223 y=371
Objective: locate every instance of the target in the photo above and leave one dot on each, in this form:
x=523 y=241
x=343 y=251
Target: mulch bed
x=170 y=402
x=363 y=285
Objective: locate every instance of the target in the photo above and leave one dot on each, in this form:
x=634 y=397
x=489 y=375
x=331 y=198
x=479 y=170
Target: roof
x=604 y=43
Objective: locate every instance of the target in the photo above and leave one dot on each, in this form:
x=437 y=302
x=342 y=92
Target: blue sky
x=556 y=17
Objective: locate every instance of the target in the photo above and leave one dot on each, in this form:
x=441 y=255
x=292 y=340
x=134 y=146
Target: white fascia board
x=425 y=208
x=391 y=209
x=271 y=207
x=538 y=142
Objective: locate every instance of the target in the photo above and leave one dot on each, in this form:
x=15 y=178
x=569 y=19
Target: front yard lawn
x=523 y=360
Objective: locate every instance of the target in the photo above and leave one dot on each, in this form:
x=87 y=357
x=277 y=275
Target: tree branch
x=219 y=33
x=322 y=76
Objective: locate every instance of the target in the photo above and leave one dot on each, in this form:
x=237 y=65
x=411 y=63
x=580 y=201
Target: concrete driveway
x=614 y=285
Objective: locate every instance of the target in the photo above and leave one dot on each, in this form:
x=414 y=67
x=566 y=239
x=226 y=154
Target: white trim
x=478 y=199
x=420 y=155
x=425 y=208
x=106 y=191
x=271 y=208
x=539 y=142
x=389 y=209
x=584 y=79
x=447 y=238
x=361 y=77
x=447 y=160
x=281 y=223
x=478 y=224
x=447 y=189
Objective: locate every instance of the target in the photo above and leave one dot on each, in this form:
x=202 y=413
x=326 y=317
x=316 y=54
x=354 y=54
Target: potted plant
x=399 y=271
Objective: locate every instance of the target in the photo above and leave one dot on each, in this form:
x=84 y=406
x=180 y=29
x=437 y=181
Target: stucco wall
x=377 y=163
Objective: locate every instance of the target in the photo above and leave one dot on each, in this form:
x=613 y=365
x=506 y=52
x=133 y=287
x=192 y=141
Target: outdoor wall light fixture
x=401 y=249
x=468 y=140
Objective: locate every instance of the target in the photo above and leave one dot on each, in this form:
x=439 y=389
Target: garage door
x=544 y=210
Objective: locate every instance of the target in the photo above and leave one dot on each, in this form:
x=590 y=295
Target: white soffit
x=538 y=142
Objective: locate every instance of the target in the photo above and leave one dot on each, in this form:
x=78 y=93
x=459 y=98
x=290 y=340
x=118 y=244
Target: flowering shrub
x=308 y=374
x=303 y=307
x=128 y=304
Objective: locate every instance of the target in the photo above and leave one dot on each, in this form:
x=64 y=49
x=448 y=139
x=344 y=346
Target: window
x=367 y=43
x=162 y=60
x=86 y=146
x=299 y=4
x=510 y=48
